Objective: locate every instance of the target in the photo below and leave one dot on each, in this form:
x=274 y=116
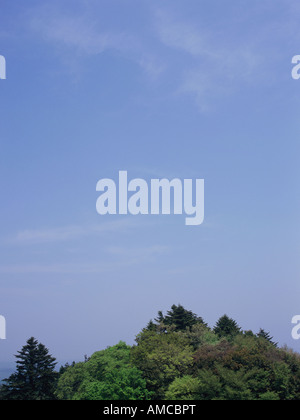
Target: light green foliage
x=282 y=381
x=105 y=361
x=187 y=361
x=176 y=357
x=71 y=381
x=119 y=384
x=108 y=374
x=200 y=335
x=185 y=388
x=162 y=357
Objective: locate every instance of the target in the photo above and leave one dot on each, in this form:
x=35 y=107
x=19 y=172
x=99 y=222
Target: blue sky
x=197 y=89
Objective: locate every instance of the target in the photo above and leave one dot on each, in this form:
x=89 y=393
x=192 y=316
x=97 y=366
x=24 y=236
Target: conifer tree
x=226 y=328
x=178 y=317
x=151 y=326
x=35 y=376
x=266 y=336
x=181 y=318
x=160 y=318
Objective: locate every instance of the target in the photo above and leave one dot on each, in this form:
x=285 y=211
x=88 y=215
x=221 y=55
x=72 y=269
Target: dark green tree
x=151 y=326
x=160 y=318
x=35 y=377
x=227 y=328
x=266 y=336
x=181 y=318
x=178 y=317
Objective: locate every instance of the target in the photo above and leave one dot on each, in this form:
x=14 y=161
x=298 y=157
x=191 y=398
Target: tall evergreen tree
x=151 y=326
x=35 y=376
x=160 y=318
x=178 y=317
x=181 y=318
x=266 y=336
x=226 y=328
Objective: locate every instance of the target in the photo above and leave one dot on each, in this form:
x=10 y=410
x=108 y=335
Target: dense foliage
x=176 y=357
x=35 y=377
x=107 y=375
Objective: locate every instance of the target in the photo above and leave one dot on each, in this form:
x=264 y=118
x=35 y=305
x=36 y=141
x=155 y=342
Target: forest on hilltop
x=177 y=356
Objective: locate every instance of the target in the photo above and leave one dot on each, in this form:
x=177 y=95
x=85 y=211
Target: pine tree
x=35 y=376
x=266 y=336
x=160 y=318
x=151 y=326
x=179 y=317
x=226 y=328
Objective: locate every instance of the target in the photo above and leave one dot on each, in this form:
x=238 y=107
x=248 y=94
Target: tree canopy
x=177 y=317
x=227 y=328
x=107 y=375
x=35 y=376
x=175 y=357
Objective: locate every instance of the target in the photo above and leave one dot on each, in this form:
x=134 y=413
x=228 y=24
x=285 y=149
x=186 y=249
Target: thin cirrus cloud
x=84 y=35
x=79 y=33
x=121 y=258
x=182 y=36
x=67 y=233
x=210 y=68
x=139 y=254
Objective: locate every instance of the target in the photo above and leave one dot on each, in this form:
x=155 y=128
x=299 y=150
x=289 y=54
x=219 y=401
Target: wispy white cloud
x=85 y=35
x=182 y=35
x=65 y=268
x=139 y=254
x=202 y=63
x=117 y=258
x=79 y=32
x=152 y=65
x=211 y=68
x=67 y=233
